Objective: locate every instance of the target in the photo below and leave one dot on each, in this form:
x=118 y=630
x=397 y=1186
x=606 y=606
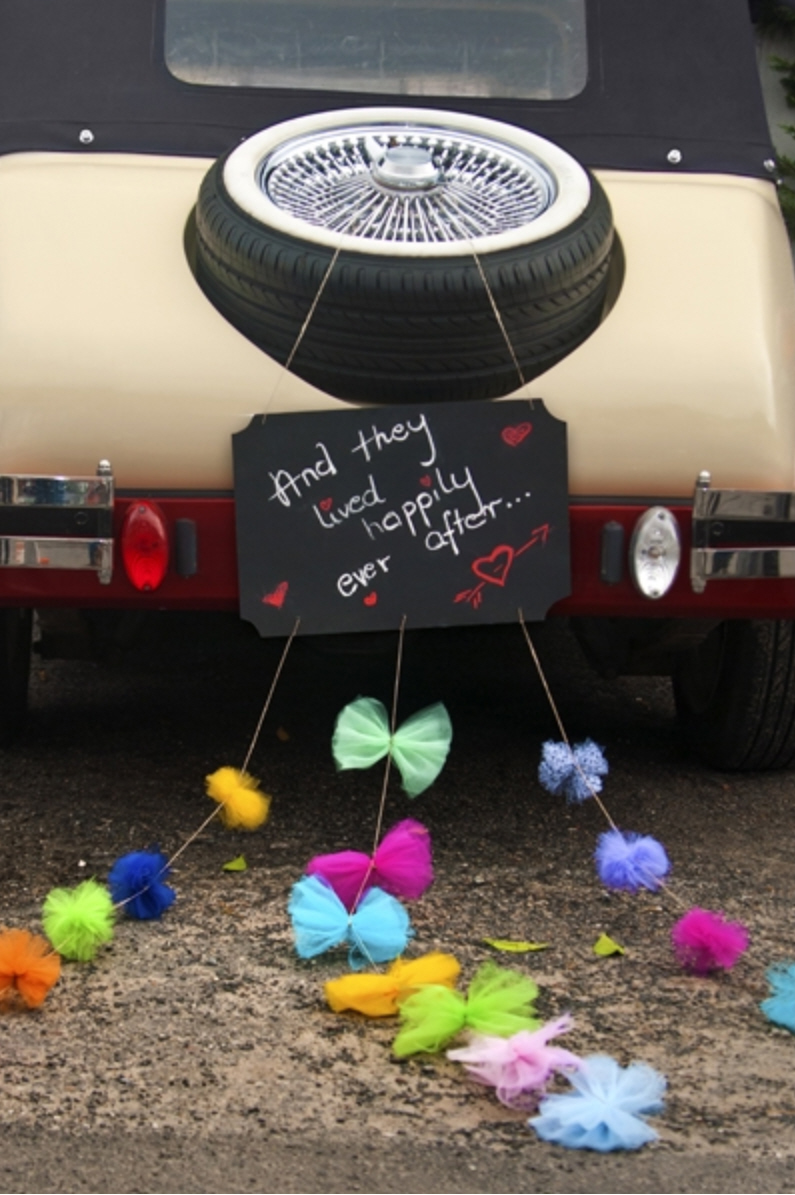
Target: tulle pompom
x=379 y=995
x=137 y=881
x=243 y=805
x=518 y=1067
x=631 y=861
x=28 y=967
x=604 y=1111
x=704 y=941
x=401 y=866
x=79 y=920
x=573 y=773
x=780 y=1007
x=498 y=1002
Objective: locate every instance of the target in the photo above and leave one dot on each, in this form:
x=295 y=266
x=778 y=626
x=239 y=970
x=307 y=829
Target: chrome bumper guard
x=741 y=534
x=58 y=522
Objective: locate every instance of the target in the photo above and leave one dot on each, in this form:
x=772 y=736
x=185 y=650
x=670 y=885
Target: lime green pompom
x=79 y=920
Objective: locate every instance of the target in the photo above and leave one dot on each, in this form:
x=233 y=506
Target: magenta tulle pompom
x=400 y=866
x=704 y=941
x=629 y=861
x=518 y=1067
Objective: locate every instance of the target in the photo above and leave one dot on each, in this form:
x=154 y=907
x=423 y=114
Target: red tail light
x=144 y=545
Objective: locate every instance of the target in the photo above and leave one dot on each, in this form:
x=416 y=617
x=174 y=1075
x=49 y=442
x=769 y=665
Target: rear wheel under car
x=735 y=695
x=16 y=629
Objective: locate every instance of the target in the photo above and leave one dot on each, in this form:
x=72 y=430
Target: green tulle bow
x=418 y=748
x=499 y=1002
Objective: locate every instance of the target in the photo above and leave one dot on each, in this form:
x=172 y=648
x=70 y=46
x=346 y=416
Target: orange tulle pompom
x=28 y=967
x=380 y=995
x=243 y=805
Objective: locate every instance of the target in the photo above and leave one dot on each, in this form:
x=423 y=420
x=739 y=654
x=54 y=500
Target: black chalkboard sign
x=449 y=514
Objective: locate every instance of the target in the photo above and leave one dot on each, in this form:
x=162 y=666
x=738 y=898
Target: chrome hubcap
x=418 y=185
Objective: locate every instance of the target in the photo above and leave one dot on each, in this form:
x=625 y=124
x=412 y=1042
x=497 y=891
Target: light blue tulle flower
x=377 y=932
x=631 y=861
x=573 y=773
x=780 y=1007
x=602 y=1112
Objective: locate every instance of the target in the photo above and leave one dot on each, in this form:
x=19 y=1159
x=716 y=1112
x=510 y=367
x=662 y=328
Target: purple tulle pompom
x=629 y=861
x=573 y=773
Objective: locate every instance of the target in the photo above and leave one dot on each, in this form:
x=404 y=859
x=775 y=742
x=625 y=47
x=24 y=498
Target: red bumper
x=213 y=585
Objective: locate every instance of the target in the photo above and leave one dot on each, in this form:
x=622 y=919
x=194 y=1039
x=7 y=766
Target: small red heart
x=326 y=503
x=495 y=567
x=427 y=481
x=370 y=599
x=515 y=435
x=276 y=597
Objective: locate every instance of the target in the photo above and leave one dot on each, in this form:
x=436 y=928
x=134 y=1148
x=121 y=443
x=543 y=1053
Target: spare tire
x=376 y=227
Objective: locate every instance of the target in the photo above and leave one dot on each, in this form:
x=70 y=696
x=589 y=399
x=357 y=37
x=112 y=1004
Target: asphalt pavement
x=197 y=1053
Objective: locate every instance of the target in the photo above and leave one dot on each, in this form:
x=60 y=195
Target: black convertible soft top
x=663 y=75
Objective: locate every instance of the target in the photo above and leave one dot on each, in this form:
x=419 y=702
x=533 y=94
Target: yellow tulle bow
x=379 y=995
x=243 y=805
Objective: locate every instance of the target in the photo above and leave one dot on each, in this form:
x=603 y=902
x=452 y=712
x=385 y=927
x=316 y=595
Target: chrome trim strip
x=54 y=492
x=29 y=552
x=709 y=563
x=19 y=490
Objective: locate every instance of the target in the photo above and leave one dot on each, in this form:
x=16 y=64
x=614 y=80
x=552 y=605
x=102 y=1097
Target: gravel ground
x=197 y=1054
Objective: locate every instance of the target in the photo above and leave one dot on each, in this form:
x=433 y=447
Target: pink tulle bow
x=518 y=1067
x=401 y=866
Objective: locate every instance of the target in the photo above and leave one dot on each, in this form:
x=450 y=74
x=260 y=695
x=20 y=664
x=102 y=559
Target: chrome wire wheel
x=403 y=181
x=415 y=185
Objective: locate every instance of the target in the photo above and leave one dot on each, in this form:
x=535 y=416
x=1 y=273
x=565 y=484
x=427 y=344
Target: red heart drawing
x=326 y=503
x=427 y=481
x=495 y=567
x=277 y=596
x=370 y=599
x=515 y=435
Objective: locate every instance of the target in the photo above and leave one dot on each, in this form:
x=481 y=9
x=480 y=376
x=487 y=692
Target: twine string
x=218 y=809
x=658 y=885
x=348 y=229
x=387 y=766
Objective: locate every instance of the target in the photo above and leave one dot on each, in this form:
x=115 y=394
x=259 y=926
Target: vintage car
x=212 y=209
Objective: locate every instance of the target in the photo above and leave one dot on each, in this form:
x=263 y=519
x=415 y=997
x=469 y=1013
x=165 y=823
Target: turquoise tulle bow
x=377 y=932
x=418 y=748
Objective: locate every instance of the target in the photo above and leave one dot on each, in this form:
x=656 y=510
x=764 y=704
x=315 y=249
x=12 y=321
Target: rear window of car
x=500 y=48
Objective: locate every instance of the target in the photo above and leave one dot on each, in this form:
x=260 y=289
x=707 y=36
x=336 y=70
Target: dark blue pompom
x=136 y=881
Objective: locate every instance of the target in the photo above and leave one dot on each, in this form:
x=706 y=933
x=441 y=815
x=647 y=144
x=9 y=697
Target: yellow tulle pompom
x=380 y=995
x=243 y=805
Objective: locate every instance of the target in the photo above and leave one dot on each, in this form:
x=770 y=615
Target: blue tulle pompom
x=780 y=1007
x=136 y=882
x=631 y=861
x=377 y=932
x=603 y=1112
x=573 y=773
